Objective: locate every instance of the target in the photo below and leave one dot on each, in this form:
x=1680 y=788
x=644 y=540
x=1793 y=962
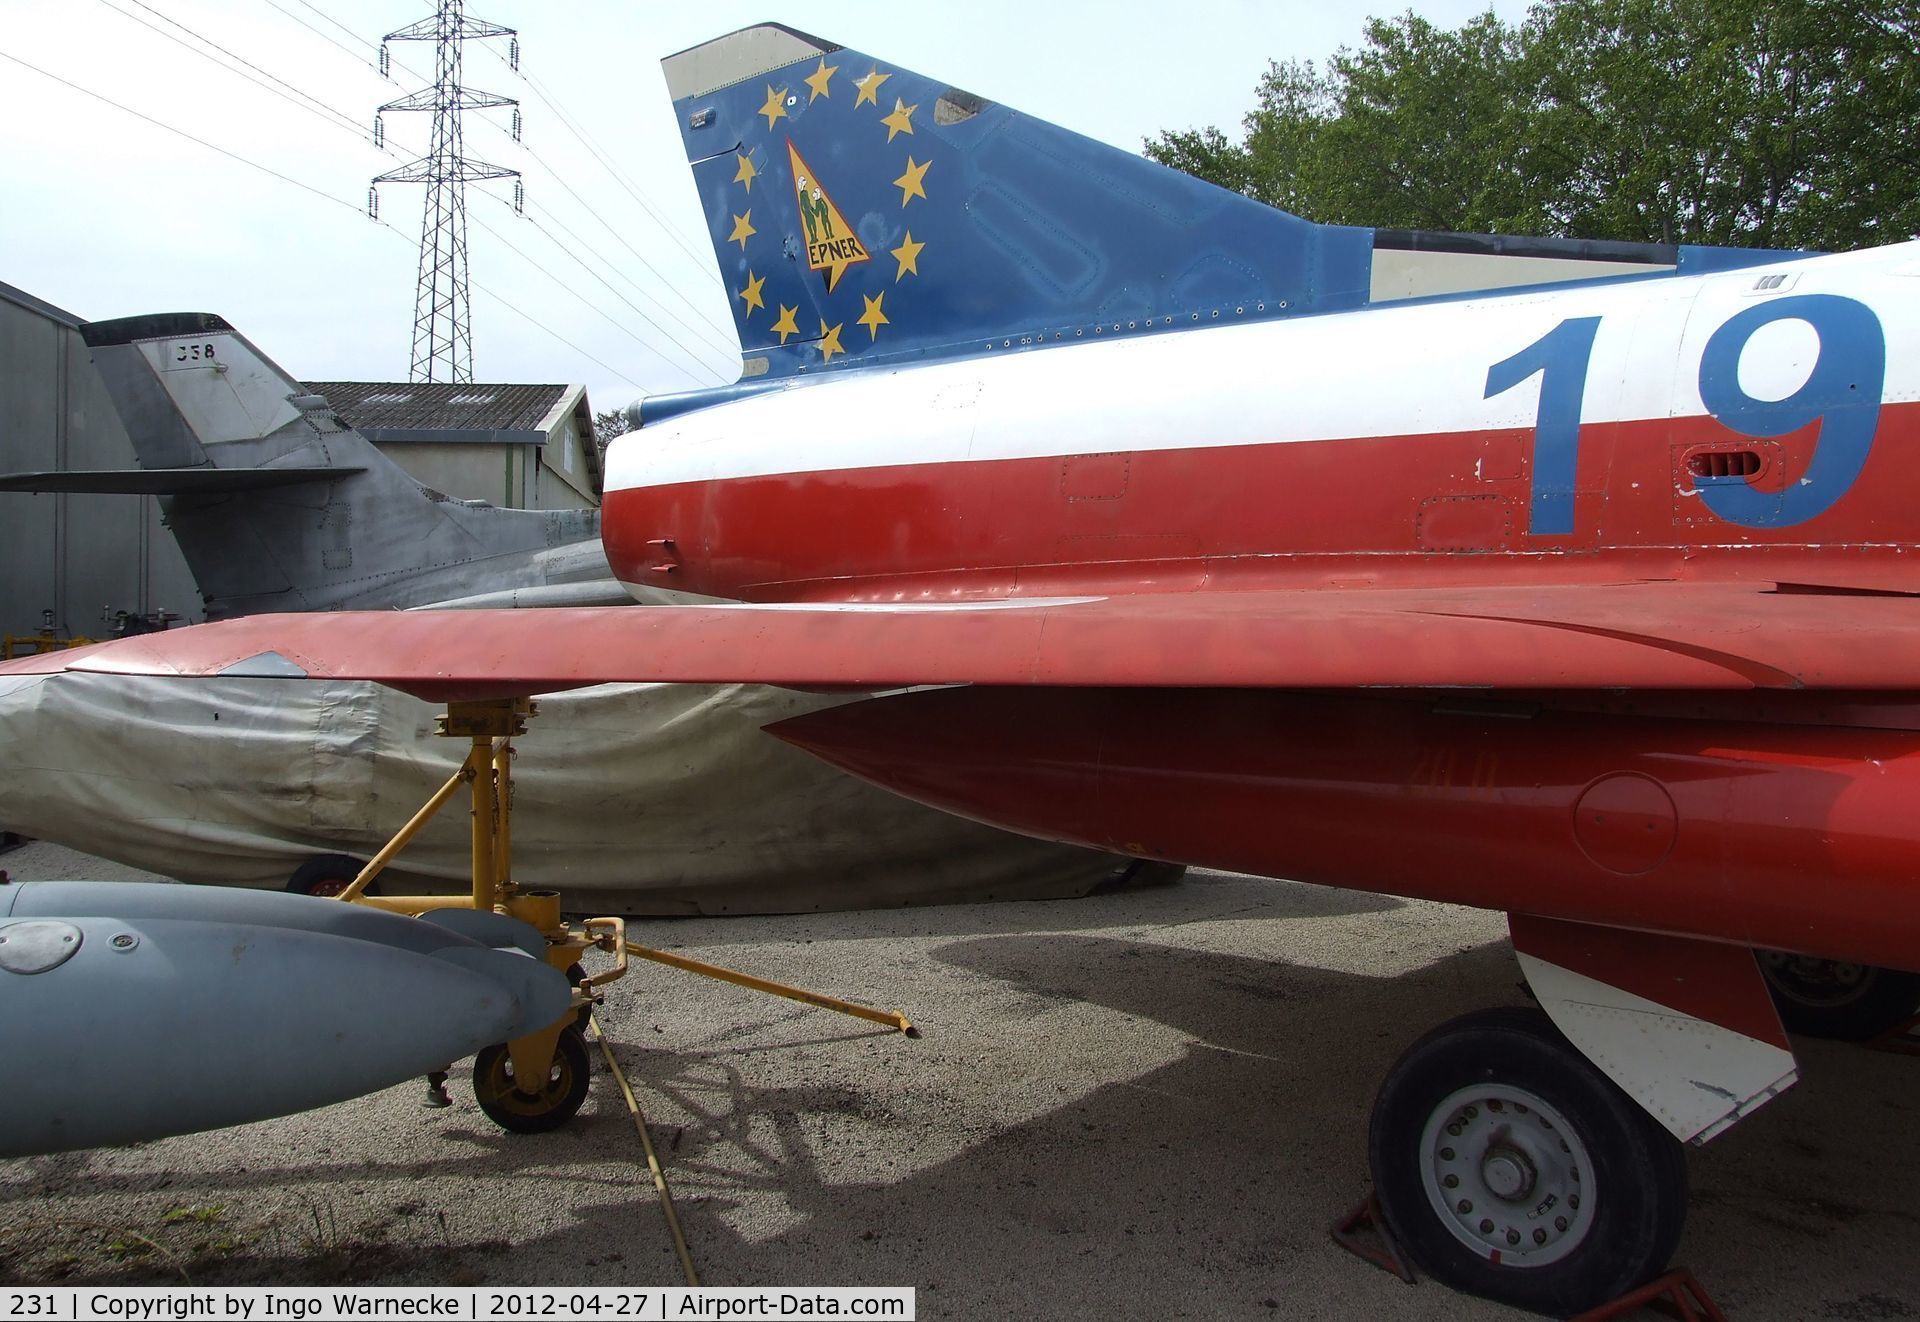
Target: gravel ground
x=1139 y=1105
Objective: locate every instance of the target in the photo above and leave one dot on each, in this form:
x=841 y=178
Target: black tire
x=1593 y=1233
x=1844 y=1002
x=547 y=1107
x=327 y=874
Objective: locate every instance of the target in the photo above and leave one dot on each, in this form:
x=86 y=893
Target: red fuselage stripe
x=1416 y=510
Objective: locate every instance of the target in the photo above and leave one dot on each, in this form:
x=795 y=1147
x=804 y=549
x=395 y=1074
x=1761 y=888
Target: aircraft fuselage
x=1757 y=424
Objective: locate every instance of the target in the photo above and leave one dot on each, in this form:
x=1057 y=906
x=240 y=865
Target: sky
x=608 y=278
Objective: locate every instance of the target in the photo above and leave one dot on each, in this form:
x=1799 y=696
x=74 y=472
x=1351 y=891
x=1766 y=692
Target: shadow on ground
x=1202 y=896
x=1201 y=1185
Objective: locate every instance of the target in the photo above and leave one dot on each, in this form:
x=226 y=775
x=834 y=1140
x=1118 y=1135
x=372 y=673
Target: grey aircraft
x=278 y=504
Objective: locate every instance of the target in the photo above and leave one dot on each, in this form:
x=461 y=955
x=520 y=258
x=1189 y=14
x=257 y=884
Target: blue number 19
x=1842 y=392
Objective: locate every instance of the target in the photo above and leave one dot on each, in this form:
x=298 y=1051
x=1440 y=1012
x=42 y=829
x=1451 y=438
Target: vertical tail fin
x=350 y=528
x=861 y=209
x=187 y=384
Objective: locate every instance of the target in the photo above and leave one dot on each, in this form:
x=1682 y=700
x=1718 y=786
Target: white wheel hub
x=1507 y=1175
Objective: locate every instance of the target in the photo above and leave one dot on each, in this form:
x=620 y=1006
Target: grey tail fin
x=278 y=504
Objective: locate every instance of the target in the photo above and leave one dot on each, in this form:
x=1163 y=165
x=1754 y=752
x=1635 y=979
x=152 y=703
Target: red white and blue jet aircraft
x=1151 y=530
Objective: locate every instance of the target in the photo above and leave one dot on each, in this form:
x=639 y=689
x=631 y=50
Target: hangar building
x=74 y=555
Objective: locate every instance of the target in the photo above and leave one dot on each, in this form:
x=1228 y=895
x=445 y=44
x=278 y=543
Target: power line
x=275 y=78
x=725 y=346
x=354 y=207
x=703 y=263
x=331 y=19
x=531 y=320
x=638 y=310
x=702 y=260
x=706 y=264
x=388 y=151
x=268 y=82
x=232 y=156
x=673 y=231
x=726 y=349
x=323 y=36
x=726 y=343
x=513 y=308
x=523 y=255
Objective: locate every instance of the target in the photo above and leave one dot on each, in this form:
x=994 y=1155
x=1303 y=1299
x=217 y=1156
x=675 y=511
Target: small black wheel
x=1508 y=1166
x=327 y=874
x=1832 y=999
x=546 y=1107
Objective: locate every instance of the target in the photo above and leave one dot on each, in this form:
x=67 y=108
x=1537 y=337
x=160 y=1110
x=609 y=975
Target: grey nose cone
x=181 y=1008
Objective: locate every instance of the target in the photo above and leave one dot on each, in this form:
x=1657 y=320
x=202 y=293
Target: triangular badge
x=832 y=246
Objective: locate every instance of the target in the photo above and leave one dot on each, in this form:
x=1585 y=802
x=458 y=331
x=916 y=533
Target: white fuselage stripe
x=1412 y=370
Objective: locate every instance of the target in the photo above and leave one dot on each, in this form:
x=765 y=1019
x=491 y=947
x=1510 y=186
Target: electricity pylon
x=443 y=313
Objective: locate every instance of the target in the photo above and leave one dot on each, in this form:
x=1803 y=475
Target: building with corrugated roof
x=526 y=447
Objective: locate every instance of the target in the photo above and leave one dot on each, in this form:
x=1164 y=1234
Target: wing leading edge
x=1636 y=636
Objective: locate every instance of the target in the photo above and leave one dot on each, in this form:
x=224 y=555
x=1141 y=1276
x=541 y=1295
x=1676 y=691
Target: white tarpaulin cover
x=659 y=798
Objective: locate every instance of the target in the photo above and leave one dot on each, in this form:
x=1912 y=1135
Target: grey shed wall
x=73 y=554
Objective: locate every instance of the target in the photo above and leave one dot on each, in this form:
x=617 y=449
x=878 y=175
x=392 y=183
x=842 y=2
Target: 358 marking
x=1842 y=393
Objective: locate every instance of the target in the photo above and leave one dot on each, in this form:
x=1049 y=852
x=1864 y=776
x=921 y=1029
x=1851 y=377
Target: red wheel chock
x=1675 y=1295
x=1901 y=1039
x=1351 y=1232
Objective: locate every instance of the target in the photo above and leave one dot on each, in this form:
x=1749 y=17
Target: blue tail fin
x=862 y=212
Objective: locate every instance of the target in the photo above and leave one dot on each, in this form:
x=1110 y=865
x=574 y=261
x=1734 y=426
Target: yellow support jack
x=556 y=1054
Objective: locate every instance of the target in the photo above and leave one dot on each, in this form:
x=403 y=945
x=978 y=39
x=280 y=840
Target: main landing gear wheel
x=1508 y=1166
x=546 y=1106
x=326 y=875
x=1846 y=1002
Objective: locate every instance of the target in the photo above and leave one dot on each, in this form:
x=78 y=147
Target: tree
x=609 y=424
x=1752 y=122
x=1431 y=129
x=1705 y=121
